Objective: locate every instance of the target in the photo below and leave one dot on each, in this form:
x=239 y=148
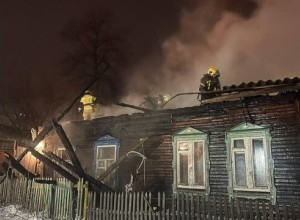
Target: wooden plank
x=271 y=214
x=69 y=148
x=182 y=206
x=122 y=158
x=285 y=211
x=187 y=205
x=277 y=211
x=198 y=207
x=220 y=205
x=257 y=212
x=19 y=167
x=126 y=207
x=209 y=208
x=203 y=208
x=178 y=205
x=238 y=209
x=215 y=213
x=226 y=212
x=244 y=213
x=145 y=205
x=142 y=205
x=163 y=210
x=134 y=205
x=122 y=205
x=264 y=211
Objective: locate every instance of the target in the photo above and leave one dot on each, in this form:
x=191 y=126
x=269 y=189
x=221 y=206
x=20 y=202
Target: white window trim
x=99 y=160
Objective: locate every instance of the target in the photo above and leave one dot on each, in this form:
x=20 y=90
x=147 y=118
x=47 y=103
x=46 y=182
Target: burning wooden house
x=243 y=143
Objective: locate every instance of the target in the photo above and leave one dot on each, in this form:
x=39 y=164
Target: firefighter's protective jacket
x=209 y=83
x=88 y=101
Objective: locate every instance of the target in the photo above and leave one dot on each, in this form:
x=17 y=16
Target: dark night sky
x=172 y=42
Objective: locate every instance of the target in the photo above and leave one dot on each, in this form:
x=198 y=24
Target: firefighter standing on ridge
x=210 y=82
x=87 y=105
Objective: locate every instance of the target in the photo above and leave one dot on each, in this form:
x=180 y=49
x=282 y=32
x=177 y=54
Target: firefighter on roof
x=87 y=105
x=210 y=82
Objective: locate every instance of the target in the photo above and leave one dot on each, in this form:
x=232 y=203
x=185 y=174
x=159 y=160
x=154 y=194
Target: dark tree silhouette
x=94 y=44
x=28 y=104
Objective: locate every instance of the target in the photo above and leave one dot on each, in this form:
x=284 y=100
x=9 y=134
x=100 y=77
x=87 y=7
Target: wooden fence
x=183 y=206
x=62 y=200
x=48 y=200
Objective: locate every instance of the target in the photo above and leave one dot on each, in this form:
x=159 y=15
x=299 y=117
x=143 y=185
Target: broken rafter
x=69 y=148
x=56 y=158
x=236 y=91
x=98 y=185
x=134 y=107
x=243 y=94
x=52 y=165
x=19 y=167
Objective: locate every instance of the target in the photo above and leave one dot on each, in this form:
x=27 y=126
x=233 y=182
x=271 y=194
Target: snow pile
x=13 y=212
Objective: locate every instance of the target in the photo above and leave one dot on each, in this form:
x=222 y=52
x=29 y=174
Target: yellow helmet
x=213 y=71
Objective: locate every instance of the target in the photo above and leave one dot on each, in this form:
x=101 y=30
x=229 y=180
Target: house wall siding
x=279 y=113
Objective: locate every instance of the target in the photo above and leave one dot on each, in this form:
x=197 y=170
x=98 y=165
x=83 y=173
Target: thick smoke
x=258 y=41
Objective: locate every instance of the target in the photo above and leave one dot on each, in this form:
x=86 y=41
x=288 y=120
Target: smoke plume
x=246 y=40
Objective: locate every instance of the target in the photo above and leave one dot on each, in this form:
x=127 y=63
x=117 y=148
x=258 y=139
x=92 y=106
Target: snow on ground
x=12 y=212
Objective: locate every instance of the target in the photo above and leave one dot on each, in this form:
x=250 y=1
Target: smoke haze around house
x=172 y=43
x=261 y=44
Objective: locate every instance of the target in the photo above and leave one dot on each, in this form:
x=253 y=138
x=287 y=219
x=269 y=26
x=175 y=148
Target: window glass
x=183 y=168
x=106 y=156
x=259 y=163
x=184 y=146
x=239 y=143
x=198 y=163
x=240 y=169
x=106 y=153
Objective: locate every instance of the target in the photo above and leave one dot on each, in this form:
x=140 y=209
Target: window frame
x=97 y=160
x=190 y=135
x=60 y=149
x=249 y=132
x=249 y=156
x=107 y=141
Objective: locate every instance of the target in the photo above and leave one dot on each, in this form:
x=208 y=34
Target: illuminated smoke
x=260 y=45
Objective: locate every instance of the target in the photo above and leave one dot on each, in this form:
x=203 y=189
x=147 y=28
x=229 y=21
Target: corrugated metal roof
x=261 y=83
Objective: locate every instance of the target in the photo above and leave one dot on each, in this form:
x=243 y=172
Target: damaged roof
x=260 y=83
x=235 y=92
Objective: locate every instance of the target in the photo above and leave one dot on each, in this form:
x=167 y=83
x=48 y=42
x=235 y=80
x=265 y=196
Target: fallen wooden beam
x=69 y=148
x=116 y=164
x=98 y=185
x=134 y=107
x=53 y=165
x=19 y=167
x=57 y=159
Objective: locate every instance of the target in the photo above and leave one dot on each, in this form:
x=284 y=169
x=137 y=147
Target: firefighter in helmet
x=210 y=82
x=87 y=103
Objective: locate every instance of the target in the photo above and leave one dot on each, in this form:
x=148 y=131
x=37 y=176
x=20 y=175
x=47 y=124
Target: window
x=106 y=156
x=61 y=152
x=250 y=164
x=191 y=162
x=106 y=151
